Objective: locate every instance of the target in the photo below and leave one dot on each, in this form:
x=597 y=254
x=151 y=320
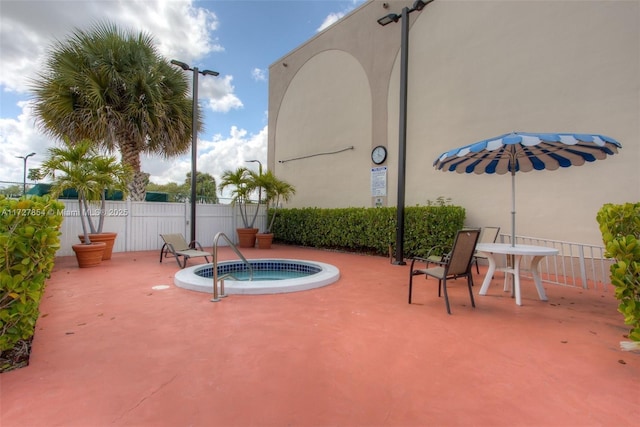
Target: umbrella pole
x=513 y=207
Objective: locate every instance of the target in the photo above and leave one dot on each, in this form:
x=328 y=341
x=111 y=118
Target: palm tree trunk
x=103 y=208
x=243 y=214
x=87 y=212
x=137 y=191
x=83 y=212
x=131 y=156
x=255 y=216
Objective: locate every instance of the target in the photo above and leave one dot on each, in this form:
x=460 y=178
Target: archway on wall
x=326 y=109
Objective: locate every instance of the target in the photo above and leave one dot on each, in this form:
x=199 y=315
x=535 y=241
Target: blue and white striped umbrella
x=524 y=152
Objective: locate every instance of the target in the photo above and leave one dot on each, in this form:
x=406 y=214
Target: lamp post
x=24 y=174
x=194 y=138
x=259 y=174
x=402 y=136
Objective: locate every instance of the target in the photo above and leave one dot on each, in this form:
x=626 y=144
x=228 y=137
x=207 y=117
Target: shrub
x=370 y=230
x=29 y=239
x=620 y=228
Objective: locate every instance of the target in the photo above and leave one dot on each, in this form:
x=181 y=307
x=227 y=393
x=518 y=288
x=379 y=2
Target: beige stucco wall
x=477 y=69
x=329 y=79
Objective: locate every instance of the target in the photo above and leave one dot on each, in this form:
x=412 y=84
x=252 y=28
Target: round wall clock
x=379 y=154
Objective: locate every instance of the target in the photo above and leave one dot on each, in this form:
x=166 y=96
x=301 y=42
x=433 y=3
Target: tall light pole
x=402 y=137
x=24 y=175
x=259 y=174
x=194 y=138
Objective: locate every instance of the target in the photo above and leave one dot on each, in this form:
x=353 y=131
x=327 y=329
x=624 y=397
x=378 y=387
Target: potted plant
x=276 y=191
x=242 y=182
x=111 y=176
x=89 y=173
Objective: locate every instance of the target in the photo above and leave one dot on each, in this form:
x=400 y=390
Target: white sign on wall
x=379 y=181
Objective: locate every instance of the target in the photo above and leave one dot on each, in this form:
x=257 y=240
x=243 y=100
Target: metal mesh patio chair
x=457 y=265
x=487 y=235
x=175 y=246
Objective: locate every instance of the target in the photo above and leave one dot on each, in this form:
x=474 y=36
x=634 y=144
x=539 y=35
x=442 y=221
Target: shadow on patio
x=110 y=350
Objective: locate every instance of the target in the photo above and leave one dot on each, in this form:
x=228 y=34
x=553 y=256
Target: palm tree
x=112 y=87
x=243 y=184
x=110 y=175
x=89 y=173
x=74 y=163
x=276 y=191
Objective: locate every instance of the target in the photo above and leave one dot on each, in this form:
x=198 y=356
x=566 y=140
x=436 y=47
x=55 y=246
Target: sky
x=238 y=38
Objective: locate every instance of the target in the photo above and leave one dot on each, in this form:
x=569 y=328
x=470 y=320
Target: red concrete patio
x=110 y=350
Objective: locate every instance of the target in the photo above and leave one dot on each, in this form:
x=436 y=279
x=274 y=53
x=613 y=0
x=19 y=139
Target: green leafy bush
x=29 y=238
x=370 y=230
x=620 y=228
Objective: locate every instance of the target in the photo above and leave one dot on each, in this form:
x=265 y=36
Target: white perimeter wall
x=139 y=224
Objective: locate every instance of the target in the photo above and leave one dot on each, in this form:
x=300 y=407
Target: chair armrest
x=425 y=261
x=196 y=244
x=440 y=251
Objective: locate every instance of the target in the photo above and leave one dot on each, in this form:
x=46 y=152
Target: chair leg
x=162 y=250
x=184 y=263
x=470 y=284
x=410 y=285
x=439 y=288
x=446 y=297
x=477 y=267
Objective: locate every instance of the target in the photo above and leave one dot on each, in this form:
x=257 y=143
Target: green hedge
x=620 y=228
x=369 y=230
x=29 y=239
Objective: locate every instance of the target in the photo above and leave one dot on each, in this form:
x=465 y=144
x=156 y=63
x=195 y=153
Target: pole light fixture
x=385 y=20
x=402 y=136
x=194 y=138
x=420 y=4
x=260 y=174
x=259 y=165
x=24 y=173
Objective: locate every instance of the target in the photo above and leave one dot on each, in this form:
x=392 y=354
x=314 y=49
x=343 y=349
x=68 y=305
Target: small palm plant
x=81 y=167
x=242 y=184
x=276 y=191
x=111 y=176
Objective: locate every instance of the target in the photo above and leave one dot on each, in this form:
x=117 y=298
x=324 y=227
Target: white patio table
x=517 y=251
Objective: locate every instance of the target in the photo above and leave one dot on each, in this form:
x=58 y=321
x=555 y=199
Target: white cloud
x=214 y=156
x=331 y=19
x=19 y=137
x=259 y=75
x=219 y=93
x=334 y=17
x=28 y=28
x=181 y=29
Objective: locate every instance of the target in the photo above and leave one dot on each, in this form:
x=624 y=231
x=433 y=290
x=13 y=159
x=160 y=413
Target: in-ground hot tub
x=270 y=276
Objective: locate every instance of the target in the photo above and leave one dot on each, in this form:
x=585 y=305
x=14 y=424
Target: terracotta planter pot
x=247 y=237
x=106 y=237
x=264 y=240
x=89 y=255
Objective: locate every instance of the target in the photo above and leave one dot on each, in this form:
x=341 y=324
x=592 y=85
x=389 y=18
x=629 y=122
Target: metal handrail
x=217 y=297
x=576 y=265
